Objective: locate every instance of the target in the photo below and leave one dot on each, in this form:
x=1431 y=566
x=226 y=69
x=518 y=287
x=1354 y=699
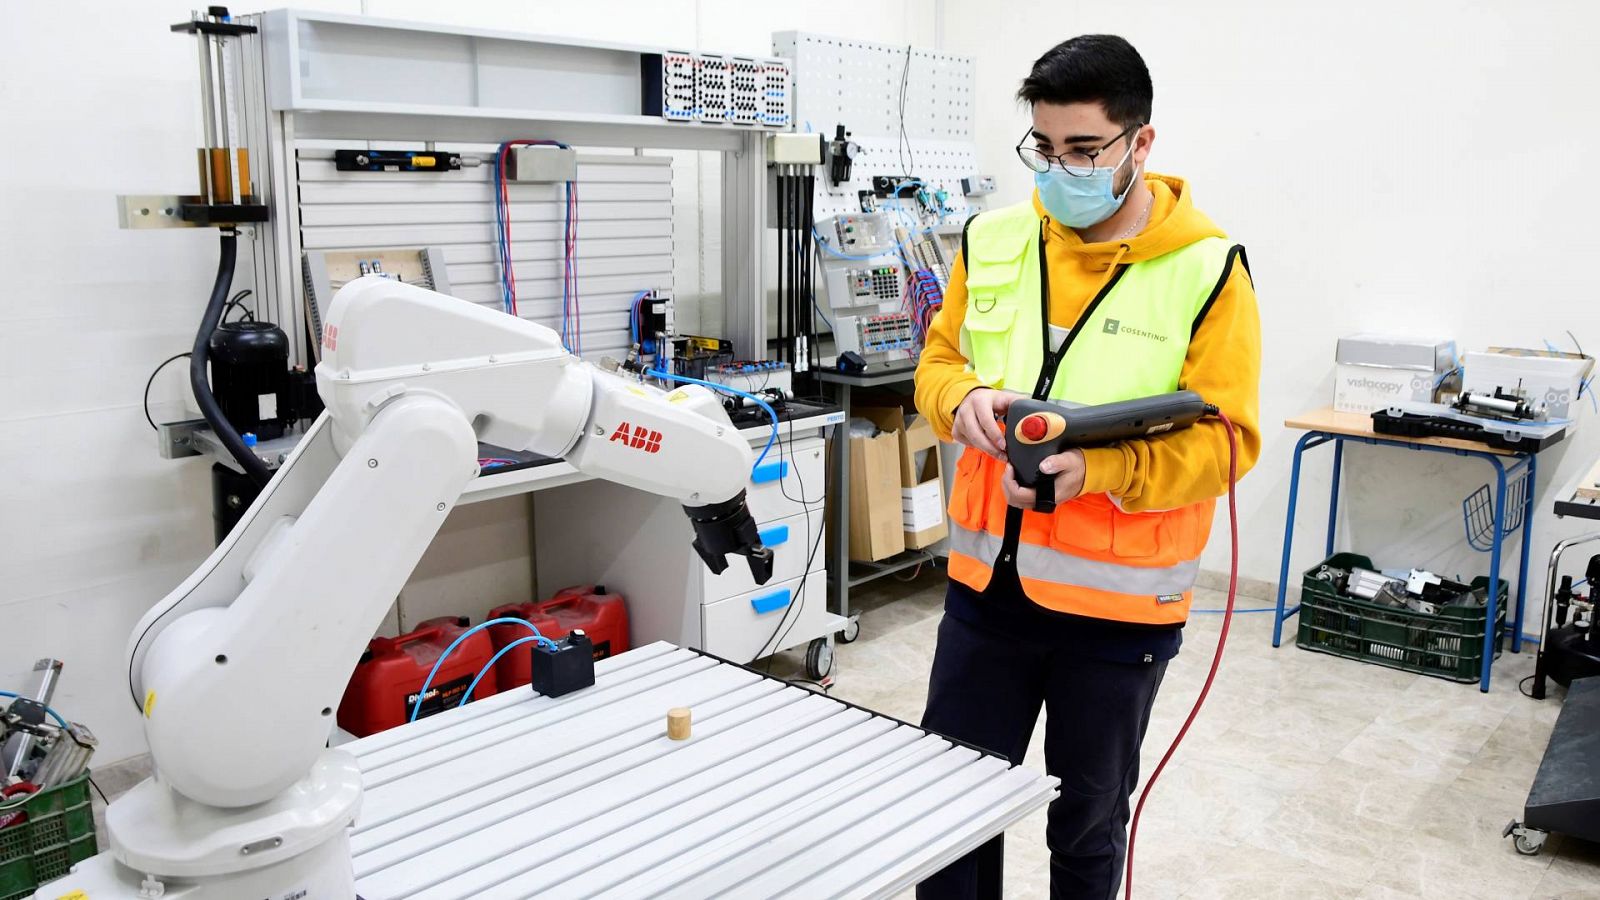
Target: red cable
x=1222 y=640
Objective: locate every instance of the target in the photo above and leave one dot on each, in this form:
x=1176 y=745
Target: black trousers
x=986 y=689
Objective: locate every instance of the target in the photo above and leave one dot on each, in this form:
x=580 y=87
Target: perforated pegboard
x=940 y=165
x=857 y=84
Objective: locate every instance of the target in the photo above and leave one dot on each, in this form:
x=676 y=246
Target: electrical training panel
x=864 y=278
x=719 y=89
x=883 y=333
x=861 y=266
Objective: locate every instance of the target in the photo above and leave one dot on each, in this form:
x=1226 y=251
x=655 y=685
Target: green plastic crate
x=58 y=833
x=1448 y=645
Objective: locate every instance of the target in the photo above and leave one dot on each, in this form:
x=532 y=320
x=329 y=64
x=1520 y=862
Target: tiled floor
x=1305 y=776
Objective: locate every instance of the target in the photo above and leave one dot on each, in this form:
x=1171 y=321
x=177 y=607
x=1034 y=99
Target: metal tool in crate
x=46 y=821
x=1421 y=623
x=38 y=748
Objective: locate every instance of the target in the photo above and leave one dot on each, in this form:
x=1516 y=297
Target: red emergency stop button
x=1040 y=427
x=1033 y=428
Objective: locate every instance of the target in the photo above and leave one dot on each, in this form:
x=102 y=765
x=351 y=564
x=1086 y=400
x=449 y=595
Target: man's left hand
x=1068 y=468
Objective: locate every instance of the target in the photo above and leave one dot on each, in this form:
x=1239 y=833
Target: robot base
x=309 y=876
x=293 y=847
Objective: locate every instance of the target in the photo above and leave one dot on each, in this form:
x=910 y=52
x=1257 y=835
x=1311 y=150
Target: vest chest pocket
x=994 y=288
x=988 y=340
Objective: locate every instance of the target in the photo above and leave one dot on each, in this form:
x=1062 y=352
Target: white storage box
x=922 y=507
x=1544 y=376
x=1374 y=371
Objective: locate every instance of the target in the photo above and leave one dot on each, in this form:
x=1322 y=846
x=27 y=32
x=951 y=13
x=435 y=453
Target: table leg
x=1497 y=537
x=1527 y=548
x=1280 y=616
x=1333 y=495
x=841 y=507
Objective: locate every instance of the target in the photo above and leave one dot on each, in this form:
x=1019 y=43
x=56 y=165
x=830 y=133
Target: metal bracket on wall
x=153 y=211
x=177 y=439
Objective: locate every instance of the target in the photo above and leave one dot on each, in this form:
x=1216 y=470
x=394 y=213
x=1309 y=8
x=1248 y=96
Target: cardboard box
x=875 y=531
x=1374 y=371
x=920 y=482
x=1546 y=376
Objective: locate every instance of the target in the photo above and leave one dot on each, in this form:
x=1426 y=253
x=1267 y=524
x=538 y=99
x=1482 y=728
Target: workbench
x=1326 y=426
x=1582 y=498
x=779 y=792
x=840 y=581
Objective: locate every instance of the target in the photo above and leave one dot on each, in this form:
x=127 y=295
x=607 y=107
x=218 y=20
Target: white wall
x=1407 y=167
x=97 y=98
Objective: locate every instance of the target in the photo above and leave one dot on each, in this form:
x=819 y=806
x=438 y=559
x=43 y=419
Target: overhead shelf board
x=343 y=69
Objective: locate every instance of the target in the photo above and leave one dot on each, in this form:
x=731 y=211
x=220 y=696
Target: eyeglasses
x=1079 y=163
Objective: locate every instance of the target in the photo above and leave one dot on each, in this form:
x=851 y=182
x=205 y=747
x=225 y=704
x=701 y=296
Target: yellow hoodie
x=1223 y=364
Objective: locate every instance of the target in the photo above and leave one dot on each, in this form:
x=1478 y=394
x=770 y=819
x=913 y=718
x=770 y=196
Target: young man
x=1079 y=610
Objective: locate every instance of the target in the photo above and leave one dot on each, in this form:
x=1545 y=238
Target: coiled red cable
x=1216 y=660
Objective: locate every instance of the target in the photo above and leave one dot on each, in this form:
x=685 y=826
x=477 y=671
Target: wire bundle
x=571 y=317
x=926 y=300
x=635 y=326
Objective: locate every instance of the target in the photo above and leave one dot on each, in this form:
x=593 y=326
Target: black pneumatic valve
x=565 y=667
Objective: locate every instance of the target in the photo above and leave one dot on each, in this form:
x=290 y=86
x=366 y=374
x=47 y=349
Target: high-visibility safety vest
x=1088 y=557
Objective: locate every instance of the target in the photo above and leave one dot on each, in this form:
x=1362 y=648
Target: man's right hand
x=975 y=423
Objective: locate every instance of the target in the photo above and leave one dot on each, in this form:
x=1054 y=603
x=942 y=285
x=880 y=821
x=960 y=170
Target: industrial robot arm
x=238 y=671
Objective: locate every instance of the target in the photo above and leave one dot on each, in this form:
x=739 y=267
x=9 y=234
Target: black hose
x=198 y=373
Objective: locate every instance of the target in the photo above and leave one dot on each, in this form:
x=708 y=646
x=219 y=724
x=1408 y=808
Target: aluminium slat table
x=780 y=792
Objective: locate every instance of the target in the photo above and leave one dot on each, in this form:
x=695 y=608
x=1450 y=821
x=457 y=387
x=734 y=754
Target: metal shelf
x=897 y=563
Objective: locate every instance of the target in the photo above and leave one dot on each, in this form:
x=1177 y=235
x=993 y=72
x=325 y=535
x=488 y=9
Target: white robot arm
x=238 y=671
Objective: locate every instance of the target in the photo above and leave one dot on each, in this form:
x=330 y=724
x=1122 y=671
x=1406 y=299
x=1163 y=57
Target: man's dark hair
x=1093 y=68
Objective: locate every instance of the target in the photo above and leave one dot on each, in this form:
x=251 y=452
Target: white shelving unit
x=323 y=79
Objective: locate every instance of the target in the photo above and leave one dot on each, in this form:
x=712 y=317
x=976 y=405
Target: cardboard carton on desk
x=1546 y=376
x=921 y=490
x=1374 y=371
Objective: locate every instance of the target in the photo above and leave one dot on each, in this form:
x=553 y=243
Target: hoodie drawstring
x=1111 y=267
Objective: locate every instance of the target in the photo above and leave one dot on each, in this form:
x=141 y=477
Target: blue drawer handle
x=771 y=602
x=770 y=472
x=772 y=537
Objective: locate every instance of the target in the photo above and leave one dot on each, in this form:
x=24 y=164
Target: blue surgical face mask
x=1083 y=199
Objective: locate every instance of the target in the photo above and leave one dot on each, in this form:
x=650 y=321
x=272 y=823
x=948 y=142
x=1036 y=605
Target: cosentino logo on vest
x=1115 y=326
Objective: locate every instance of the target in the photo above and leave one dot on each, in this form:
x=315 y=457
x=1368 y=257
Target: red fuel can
x=602 y=616
x=386 y=681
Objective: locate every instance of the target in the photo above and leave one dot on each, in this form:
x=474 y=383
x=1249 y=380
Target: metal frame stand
x=1540 y=672
x=1526 y=464
x=839 y=580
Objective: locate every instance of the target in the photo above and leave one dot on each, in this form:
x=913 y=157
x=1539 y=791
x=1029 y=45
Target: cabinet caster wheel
x=852 y=630
x=819 y=659
x=1528 y=841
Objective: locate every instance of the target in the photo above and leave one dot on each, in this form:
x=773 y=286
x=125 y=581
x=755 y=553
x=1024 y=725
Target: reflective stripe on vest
x=1133 y=346
x=1046 y=564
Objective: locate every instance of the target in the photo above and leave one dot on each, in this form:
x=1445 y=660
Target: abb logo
x=330 y=337
x=638 y=437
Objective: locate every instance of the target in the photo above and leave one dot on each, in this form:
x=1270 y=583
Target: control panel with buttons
x=876 y=285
